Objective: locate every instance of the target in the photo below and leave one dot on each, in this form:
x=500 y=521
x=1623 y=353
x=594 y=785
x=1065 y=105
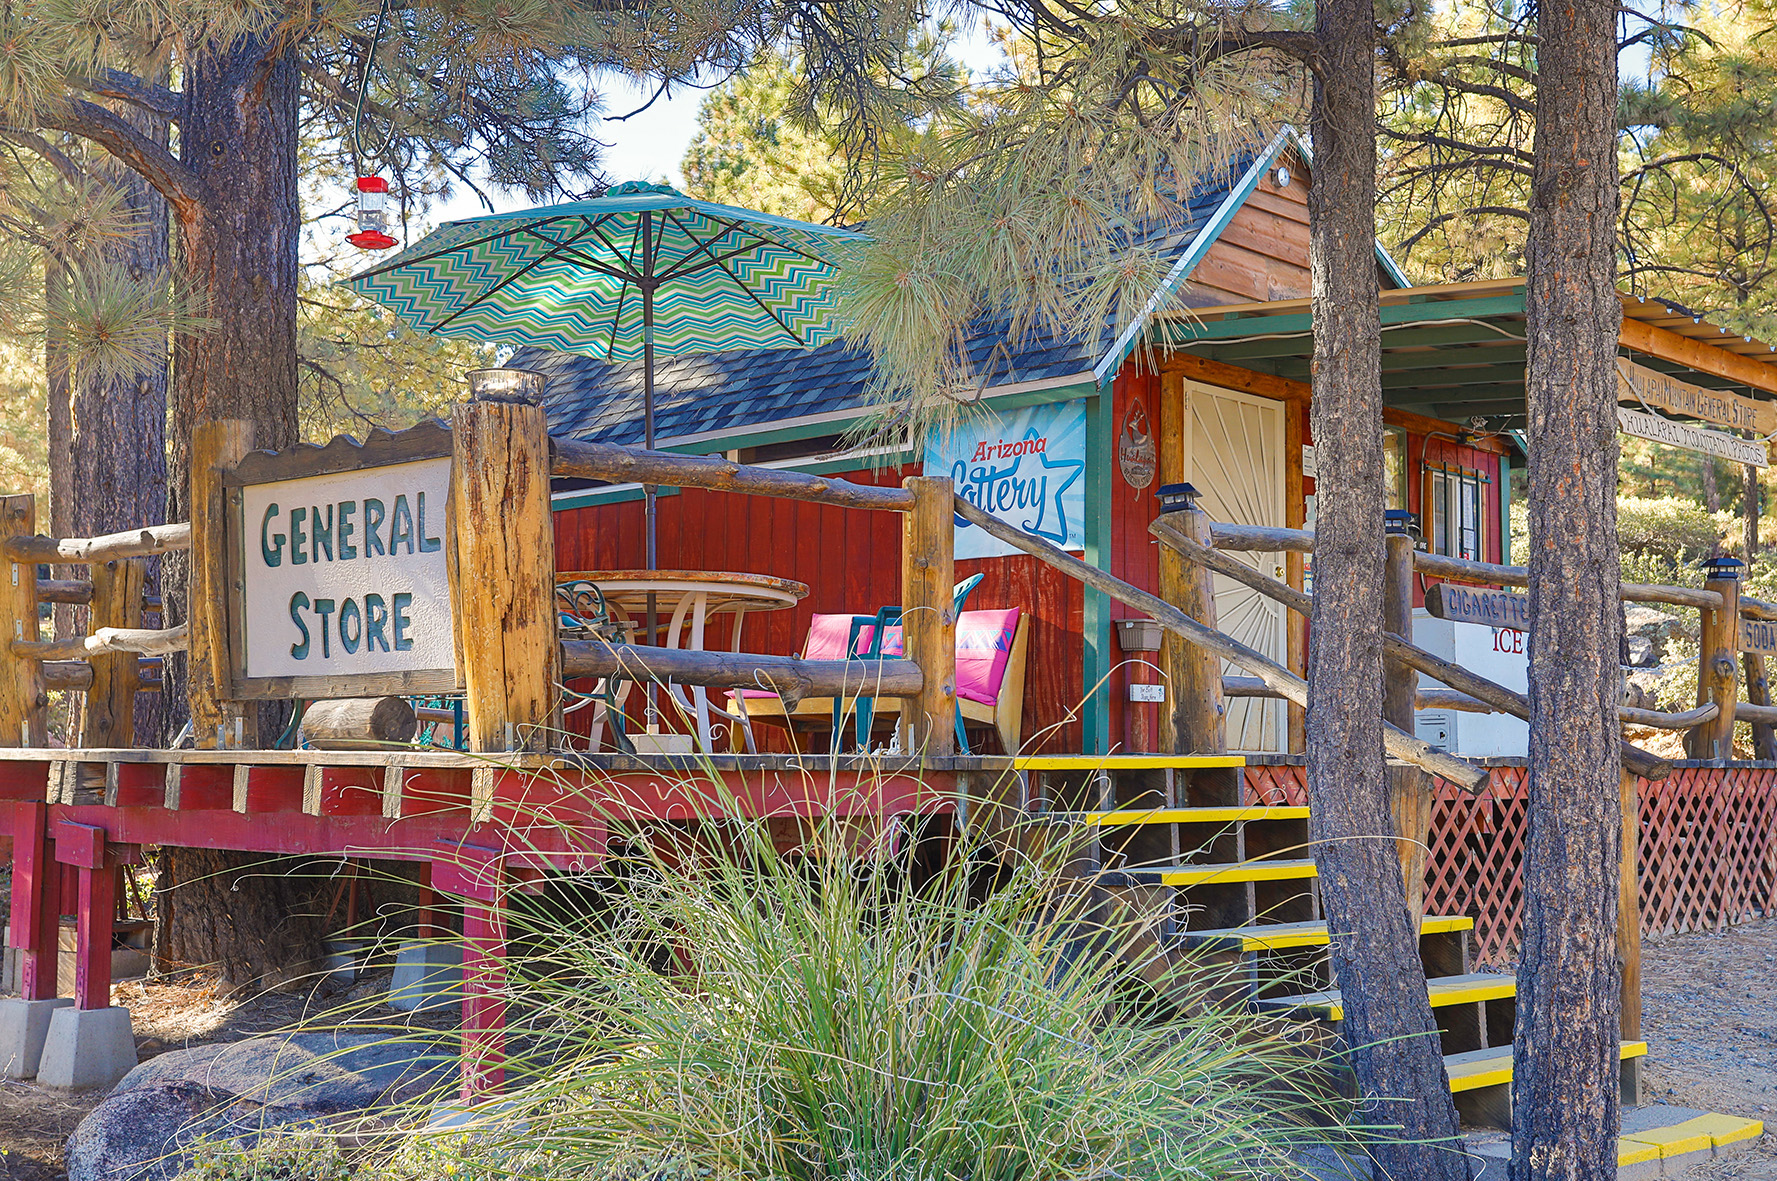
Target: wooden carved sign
x=1136 y=456
x=1758 y=635
x=1466 y=604
x=1668 y=393
x=1676 y=434
x=339 y=569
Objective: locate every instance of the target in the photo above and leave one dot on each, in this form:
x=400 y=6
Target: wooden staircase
x=1235 y=884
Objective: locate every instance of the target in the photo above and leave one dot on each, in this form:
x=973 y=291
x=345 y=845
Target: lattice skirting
x=1708 y=849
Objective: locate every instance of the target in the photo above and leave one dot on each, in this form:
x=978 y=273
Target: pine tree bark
x=1564 y=1086
x=1390 y=1035
x=239 y=231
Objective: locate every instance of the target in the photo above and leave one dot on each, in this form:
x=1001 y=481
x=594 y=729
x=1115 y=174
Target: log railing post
x=1195 y=720
x=1758 y=692
x=23 y=699
x=108 y=718
x=1409 y=787
x=1629 y=909
x=928 y=615
x=503 y=574
x=1718 y=670
x=215 y=446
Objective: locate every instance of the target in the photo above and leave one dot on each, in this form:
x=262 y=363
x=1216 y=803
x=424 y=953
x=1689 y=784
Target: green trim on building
x=1095 y=629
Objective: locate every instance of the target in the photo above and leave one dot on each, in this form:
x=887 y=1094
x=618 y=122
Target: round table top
x=727 y=590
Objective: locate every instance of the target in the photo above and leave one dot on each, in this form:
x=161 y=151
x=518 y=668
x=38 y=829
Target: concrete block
x=428 y=976
x=491 y=1114
x=24 y=1026
x=87 y=1049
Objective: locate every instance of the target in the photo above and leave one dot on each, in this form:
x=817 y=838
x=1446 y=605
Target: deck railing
x=106 y=664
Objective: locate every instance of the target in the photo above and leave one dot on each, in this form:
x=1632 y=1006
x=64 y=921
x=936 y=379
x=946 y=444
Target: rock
x=144 y=1130
x=1641 y=652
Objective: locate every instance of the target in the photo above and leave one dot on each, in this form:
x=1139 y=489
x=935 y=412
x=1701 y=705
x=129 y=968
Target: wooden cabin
x=1238 y=432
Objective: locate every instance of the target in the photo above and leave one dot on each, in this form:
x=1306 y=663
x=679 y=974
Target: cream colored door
x=1234 y=455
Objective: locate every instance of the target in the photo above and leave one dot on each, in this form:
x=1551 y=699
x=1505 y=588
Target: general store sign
x=1027 y=467
x=1675 y=434
x=344 y=587
x=1668 y=393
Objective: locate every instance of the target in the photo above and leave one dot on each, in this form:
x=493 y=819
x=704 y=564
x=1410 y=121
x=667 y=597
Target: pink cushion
x=983 y=646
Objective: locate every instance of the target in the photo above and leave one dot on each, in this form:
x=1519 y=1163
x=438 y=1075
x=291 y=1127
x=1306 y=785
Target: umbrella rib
x=520 y=273
x=680 y=269
x=751 y=229
x=751 y=294
x=565 y=251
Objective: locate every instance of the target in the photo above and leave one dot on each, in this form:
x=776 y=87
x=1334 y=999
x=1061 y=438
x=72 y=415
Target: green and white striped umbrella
x=641 y=270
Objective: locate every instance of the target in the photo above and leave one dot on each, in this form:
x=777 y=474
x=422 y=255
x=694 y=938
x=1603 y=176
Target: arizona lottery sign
x=1027 y=467
x=344 y=587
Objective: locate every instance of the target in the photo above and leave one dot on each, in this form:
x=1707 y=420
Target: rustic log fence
x=106 y=665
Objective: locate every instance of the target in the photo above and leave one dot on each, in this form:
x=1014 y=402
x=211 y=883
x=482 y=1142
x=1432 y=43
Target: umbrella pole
x=648 y=490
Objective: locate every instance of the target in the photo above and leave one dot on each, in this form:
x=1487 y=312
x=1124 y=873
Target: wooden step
x=1444 y=990
x=1209 y=875
x=1134 y=816
x=1282 y=936
x=1489 y=1068
x=1124 y=762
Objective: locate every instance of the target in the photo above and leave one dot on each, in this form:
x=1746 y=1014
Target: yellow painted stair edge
x=1495 y=1070
x=1443 y=990
x=1243 y=871
x=1702 y=1133
x=1134 y=816
x=1123 y=762
x=1290 y=935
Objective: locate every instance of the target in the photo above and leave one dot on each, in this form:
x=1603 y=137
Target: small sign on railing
x=1758 y=635
x=1467 y=604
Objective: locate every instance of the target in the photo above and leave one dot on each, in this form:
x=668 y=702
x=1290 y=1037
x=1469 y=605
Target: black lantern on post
x=1397 y=520
x=1722 y=568
x=1176 y=498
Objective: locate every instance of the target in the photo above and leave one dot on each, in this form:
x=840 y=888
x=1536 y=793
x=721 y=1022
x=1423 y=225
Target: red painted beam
x=24 y=781
x=351 y=791
x=93 y=928
x=36 y=900
x=484 y=999
x=141 y=785
x=274 y=789
x=204 y=787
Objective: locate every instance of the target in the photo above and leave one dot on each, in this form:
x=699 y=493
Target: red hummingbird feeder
x=373 y=215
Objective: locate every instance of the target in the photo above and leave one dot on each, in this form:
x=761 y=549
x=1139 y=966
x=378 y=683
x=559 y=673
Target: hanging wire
x=382 y=15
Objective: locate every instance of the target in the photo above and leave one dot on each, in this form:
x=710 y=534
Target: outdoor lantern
x=1721 y=567
x=1138 y=635
x=1397 y=520
x=1176 y=498
x=373 y=215
x=506 y=385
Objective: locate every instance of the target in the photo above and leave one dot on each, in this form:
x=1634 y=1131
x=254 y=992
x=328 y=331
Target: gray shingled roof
x=728 y=392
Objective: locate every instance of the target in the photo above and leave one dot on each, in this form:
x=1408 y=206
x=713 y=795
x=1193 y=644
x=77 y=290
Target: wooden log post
x=215 y=446
x=503 y=575
x=1718 y=670
x=24 y=701
x=1409 y=787
x=1195 y=720
x=928 y=619
x=1629 y=909
x=108 y=718
x=359 y=723
x=1758 y=692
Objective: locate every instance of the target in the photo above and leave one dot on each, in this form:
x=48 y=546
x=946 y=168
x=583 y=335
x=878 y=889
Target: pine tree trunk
x=1393 y=1042
x=1750 y=493
x=1564 y=1085
x=1711 y=490
x=116 y=450
x=238 y=251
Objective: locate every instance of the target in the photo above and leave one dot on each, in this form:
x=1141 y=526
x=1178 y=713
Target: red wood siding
x=851 y=561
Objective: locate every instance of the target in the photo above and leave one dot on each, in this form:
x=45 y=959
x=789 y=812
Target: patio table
x=685 y=602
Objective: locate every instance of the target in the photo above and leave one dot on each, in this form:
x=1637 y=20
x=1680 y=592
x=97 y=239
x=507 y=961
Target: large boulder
x=146 y=1127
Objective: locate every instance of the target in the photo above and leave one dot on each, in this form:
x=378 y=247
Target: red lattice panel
x=1285 y=786
x=1708 y=849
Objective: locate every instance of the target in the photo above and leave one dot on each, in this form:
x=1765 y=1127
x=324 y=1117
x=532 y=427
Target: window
x=1394 y=467
x=1455 y=507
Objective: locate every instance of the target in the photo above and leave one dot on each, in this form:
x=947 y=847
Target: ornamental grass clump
x=731 y=1010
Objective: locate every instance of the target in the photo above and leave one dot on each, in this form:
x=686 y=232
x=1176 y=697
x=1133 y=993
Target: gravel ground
x=1709 y=1014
